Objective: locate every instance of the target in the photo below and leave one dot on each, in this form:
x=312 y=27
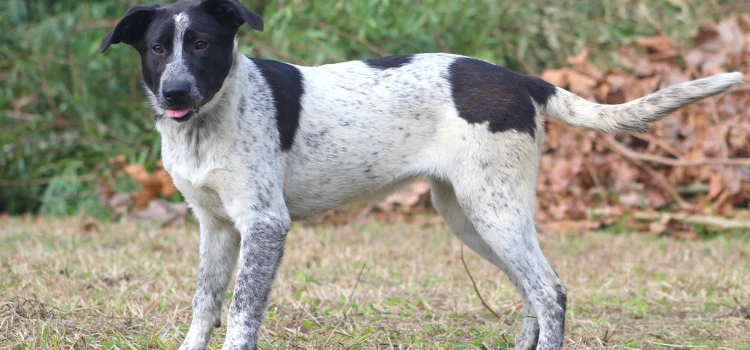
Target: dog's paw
x=193 y=346
x=192 y=342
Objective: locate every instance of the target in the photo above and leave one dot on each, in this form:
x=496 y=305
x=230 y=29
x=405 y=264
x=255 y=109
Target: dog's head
x=186 y=49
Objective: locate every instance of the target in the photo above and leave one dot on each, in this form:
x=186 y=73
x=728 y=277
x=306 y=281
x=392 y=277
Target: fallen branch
x=348 y=305
x=475 y=285
x=677 y=346
x=377 y=50
x=703 y=220
x=740 y=89
x=612 y=144
x=59 y=120
x=260 y=46
x=23 y=116
x=351 y=295
x=693 y=189
x=661 y=143
x=743 y=312
x=627 y=152
x=45 y=181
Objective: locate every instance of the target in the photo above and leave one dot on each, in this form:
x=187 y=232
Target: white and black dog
x=254 y=143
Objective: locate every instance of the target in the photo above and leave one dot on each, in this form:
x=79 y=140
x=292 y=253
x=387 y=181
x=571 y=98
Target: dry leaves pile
x=144 y=203
x=695 y=163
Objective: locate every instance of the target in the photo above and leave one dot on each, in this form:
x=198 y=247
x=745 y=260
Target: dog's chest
x=198 y=176
x=202 y=195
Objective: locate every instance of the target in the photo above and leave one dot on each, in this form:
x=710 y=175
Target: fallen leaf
x=557 y=77
x=658 y=44
x=581 y=84
x=138 y=172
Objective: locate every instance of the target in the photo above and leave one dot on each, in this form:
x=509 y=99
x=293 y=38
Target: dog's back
x=371 y=124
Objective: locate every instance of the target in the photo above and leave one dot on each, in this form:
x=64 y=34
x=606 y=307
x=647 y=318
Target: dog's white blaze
x=177 y=69
x=181 y=22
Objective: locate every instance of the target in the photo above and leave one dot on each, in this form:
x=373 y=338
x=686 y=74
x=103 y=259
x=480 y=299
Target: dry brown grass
x=127 y=285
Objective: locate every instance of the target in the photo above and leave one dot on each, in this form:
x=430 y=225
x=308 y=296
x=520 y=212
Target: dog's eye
x=157 y=49
x=201 y=45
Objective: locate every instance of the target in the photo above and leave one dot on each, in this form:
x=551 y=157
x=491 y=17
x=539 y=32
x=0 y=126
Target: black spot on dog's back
x=287 y=87
x=389 y=62
x=484 y=92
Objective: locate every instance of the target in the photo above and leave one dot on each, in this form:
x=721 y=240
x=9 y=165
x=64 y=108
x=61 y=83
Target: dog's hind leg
x=444 y=199
x=219 y=249
x=494 y=179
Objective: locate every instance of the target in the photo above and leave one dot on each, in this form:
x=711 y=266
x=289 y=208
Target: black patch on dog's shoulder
x=484 y=92
x=287 y=88
x=389 y=62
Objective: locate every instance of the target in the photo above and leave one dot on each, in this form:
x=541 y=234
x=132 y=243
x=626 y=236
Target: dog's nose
x=176 y=92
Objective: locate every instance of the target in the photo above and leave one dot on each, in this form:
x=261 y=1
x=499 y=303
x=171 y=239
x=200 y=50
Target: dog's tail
x=637 y=114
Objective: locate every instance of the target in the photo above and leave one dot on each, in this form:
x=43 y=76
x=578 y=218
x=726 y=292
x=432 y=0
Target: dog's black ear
x=232 y=13
x=131 y=27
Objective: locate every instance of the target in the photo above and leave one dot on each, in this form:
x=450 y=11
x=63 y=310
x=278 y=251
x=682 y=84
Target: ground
x=364 y=286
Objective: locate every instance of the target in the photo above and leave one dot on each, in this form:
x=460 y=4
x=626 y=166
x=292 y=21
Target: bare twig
x=658 y=142
x=594 y=175
x=441 y=42
x=378 y=50
x=175 y=216
x=693 y=189
x=732 y=7
x=23 y=116
x=475 y=285
x=351 y=295
x=740 y=89
x=59 y=121
x=44 y=181
x=348 y=305
x=505 y=339
x=134 y=78
x=263 y=47
x=743 y=312
x=612 y=144
x=664 y=183
x=675 y=346
x=627 y=152
x=703 y=220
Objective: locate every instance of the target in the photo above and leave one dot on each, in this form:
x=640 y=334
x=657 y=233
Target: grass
x=129 y=286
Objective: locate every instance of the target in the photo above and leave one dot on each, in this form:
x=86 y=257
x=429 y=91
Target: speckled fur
x=364 y=132
x=365 y=129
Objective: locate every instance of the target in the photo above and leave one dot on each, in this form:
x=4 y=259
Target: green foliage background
x=65 y=110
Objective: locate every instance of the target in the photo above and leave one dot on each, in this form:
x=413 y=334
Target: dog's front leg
x=261 y=250
x=220 y=243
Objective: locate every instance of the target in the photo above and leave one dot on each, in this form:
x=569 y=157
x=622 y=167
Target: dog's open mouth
x=180 y=114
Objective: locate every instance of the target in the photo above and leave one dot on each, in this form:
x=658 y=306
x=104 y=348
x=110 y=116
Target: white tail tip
x=734 y=77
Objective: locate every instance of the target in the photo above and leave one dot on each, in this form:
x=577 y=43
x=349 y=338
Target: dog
x=253 y=144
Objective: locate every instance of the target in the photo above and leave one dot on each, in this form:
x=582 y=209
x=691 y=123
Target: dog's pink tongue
x=177 y=113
